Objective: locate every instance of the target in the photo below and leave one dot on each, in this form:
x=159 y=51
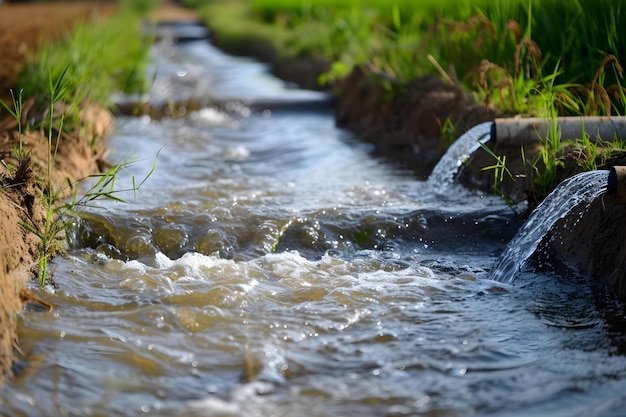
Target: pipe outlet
x=517 y=130
x=617 y=184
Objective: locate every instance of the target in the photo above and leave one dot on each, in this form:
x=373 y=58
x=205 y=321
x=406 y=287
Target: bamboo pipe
x=617 y=184
x=516 y=130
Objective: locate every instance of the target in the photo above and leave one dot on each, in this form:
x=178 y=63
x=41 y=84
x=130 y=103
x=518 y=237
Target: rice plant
x=511 y=41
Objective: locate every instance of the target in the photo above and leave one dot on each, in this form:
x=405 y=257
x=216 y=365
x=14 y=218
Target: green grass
x=513 y=53
x=96 y=59
x=15 y=110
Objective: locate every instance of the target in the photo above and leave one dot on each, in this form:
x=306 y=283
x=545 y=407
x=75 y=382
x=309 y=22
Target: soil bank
x=23 y=27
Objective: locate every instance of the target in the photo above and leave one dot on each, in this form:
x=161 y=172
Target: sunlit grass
x=511 y=52
x=97 y=57
x=92 y=62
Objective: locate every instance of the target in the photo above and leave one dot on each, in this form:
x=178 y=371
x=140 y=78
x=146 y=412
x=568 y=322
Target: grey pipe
x=617 y=184
x=516 y=130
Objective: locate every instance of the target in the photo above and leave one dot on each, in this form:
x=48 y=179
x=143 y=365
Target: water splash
x=578 y=191
x=443 y=174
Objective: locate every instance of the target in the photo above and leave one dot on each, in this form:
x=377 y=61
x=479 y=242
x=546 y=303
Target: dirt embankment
x=408 y=126
x=23 y=27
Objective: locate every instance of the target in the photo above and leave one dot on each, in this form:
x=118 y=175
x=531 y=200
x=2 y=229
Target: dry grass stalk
x=501 y=83
x=595 y=95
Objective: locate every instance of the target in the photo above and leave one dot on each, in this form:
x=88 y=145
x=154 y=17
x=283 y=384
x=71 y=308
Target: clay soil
x=23 y=27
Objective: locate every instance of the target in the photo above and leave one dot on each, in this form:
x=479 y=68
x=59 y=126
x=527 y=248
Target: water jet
x=576 y=226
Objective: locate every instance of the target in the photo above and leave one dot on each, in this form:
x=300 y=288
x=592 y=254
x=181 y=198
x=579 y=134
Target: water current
x=271 y=266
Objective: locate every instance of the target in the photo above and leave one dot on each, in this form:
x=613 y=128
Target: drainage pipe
x=617 y=184
x=517 y=130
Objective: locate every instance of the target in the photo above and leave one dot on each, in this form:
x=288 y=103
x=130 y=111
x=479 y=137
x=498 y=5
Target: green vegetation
x=500 y=170
x=585 y=154
x=522 y=56
x=57 y=211
x=96 y=59
x=58 y=82
x=529 y=57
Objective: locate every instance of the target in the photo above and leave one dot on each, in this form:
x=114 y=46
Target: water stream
x=273 y=266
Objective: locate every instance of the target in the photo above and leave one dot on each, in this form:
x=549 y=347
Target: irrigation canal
x=271 y=266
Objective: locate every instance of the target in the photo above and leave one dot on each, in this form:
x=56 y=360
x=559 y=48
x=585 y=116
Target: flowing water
x=577 y=192
x=271 y=266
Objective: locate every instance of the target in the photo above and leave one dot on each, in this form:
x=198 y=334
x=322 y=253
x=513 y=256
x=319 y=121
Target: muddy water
x=272 y=267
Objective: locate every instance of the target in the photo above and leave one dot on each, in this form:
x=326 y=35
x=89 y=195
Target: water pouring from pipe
x=444 y=172
x=573 y=195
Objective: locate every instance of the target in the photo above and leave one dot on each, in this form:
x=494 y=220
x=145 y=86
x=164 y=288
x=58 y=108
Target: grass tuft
x=54 y=86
